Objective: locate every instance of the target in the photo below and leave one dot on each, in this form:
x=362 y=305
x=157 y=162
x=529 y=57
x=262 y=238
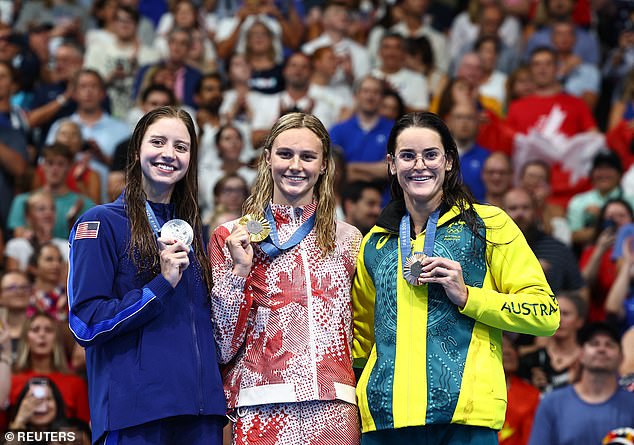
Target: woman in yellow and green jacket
x=438 y=279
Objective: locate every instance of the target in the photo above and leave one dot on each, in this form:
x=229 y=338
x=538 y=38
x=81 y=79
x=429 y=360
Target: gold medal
x=258 y=227
x=413 y=268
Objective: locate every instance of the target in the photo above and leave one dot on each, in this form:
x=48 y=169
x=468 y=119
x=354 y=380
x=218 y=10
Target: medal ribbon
x=272 y=246
x=151 y=217
x=405 y=239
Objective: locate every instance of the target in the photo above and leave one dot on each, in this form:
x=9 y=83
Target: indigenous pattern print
x=285 y=331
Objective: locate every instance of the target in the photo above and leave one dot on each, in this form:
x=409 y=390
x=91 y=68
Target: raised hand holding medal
x=178 y=230
x=258 y=228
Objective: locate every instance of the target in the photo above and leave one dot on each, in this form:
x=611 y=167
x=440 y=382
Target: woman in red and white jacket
x=281 y=306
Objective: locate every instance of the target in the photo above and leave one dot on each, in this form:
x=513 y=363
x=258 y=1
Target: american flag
x=88 y=229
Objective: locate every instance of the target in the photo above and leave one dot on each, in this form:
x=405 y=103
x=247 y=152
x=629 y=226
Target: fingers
x=171 y=245
x=435 y=268
x=239 y=237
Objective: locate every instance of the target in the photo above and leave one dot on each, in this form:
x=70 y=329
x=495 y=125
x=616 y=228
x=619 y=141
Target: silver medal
x=177 y=229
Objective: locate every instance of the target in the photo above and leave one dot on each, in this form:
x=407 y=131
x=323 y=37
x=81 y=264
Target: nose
x=296 y=163
x=168 y=151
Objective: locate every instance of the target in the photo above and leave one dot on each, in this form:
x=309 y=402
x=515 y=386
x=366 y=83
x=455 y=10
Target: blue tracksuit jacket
x=150 y=350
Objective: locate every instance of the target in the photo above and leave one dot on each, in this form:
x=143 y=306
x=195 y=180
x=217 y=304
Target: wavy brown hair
x=325 y=224
x=24 y=360
x=143 y=249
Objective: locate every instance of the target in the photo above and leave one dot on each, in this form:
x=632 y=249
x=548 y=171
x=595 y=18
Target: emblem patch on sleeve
x=88 y=229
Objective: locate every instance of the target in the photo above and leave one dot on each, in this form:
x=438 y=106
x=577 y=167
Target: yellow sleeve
x=515 y=295
x=363 y=299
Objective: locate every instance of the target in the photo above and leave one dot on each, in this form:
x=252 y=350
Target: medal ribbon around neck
x=406 y=243
x=272 y=246
x=151 y=217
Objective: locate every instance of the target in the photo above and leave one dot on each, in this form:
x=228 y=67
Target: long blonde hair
x=262 y=194
x=24 y=360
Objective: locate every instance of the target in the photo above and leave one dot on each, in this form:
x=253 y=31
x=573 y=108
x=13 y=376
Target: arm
x=366 y=171
x=591 y=269
x=5 y=363
x=363 y=300
x=231 y=305
x=621 y=286
x=11 y=160
x=97 y=312
x=514 y=282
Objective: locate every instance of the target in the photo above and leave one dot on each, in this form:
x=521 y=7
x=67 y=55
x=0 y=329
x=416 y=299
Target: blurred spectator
x=622 y=109
x=412 y=21
x=497 y=175
x=584 y=208
x=627 y=367
x=483 y=18
x=287 y=28
x=185 y=15
x=69 y=18
x=519 y=84
x=522 y=399
x=363 y=137
x=361 y=203
x=117 y=61
x=410 y=85
x=578 y=78
x=534 y=177
x=48 y=270
x=6 y=358
x=596 y=263
x=551 y=362
x=207 y=17
x=471 y=70
x=185 y=77
x=419 y=58
x=79 y=428
x=552 y=114
x=619 y=304
x=37 y=407
x=226 y=159
x=264 y=59
x=11 y=116
x=40 y=220
x=229 y=193
x=100 y=130
x=324 y=61
x=558 y=260
x=584 y=411
x=41 y=354
x=81 y=178
x=586 y=44
x=620 y=60
x=15 y=295
x=353 y=59
x=57 y=161
x=493 y=83
x=463 y=120
x=392 y=106
x=494 y=24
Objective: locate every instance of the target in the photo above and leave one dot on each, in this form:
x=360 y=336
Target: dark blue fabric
x=445 y=434
x=150 y=350
x=190 y=430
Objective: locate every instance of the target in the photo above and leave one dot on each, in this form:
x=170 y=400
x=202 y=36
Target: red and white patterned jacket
x=285 y=332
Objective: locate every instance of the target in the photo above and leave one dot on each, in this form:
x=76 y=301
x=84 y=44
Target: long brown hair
x=143 y=249
x=325 y=225
x=24 y=361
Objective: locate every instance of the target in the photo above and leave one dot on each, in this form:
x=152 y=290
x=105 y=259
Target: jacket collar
x=390 y=217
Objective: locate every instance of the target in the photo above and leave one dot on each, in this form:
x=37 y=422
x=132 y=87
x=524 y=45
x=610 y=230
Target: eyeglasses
x=16 y=287
x=432 y=159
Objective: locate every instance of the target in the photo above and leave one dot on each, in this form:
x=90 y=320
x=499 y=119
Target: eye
x=157 y=142
x=406 y=156
x=182 y=148
x=432 y=155
x=284 y=154
x=308 y=157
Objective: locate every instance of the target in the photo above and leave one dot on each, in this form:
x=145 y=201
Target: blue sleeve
x=138 y=80
x=97 y=311
x=543 y=431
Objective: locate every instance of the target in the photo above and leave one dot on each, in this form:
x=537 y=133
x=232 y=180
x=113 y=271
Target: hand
x=605 y=239
x=25 y=411
x=447 y=273
x=174 y=259
x=241 y=250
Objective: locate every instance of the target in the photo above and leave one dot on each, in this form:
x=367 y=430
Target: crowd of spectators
x=538 y=94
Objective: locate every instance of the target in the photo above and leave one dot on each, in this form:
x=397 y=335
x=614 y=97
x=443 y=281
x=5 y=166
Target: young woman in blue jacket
x=139 y=299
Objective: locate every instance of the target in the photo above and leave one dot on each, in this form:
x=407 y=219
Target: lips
x=164 y=167
x=420 y=178
x=295 y=178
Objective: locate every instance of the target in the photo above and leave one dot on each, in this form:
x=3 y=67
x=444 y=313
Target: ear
x=267 y=157
x=391 y=163
x=449 y=165
x=324 y=167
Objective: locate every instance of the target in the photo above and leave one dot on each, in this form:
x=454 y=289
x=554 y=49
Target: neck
x=596 y=387
x=559 y=344
x=464 y=145
x=90 y=116
x=292 y=201
x=368 y=119
x=231 y=166
x=15 y=320
x=320 y=79
x=205 y=116
x=57 y=189
x=494 y=199
x=549 y=90
x=297 y=92
x=335 y=35
x=158 y=195
x=42 y=365
x=413 y=21
x=43 y=235
x=390 y=69
x=45 y=286
x=5 y=105
x=419 y=211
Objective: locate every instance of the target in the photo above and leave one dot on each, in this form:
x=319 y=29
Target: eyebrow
x=158 y=136
x=424 y=149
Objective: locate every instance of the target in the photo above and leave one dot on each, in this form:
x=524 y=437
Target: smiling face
x=420 y=183
x=296 y=159
x=164 y=157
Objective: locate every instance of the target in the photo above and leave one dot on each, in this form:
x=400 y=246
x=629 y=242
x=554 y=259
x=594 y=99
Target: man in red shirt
x=546 y=105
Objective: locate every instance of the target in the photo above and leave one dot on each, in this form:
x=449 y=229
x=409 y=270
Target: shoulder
x=346 y=230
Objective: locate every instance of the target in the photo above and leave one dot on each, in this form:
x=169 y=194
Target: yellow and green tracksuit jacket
x=428 y=361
